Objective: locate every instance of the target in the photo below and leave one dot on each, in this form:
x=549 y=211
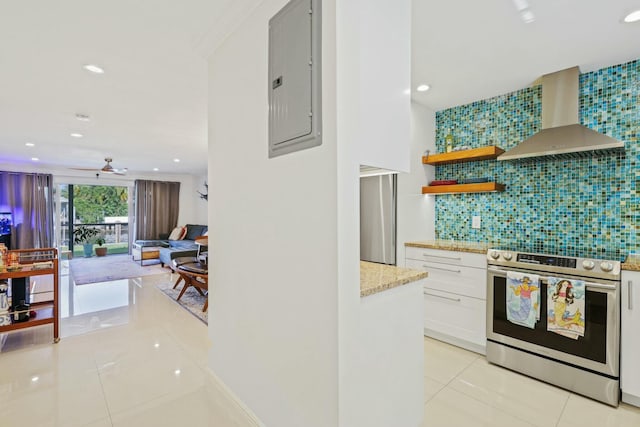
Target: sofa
x=185 y=247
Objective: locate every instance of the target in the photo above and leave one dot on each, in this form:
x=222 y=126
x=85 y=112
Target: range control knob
x=606 y=266
x=507 y=255
x=495 y=254
x=588 y=265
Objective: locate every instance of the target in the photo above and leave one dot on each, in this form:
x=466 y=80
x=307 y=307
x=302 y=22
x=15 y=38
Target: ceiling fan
x=107 y=168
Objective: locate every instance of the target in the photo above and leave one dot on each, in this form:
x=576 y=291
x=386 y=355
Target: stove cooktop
x=576 y=266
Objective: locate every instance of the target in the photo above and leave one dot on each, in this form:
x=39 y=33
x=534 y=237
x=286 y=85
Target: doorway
x=103 y=207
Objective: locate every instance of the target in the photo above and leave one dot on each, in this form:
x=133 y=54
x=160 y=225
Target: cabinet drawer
x=446 y=257
x=460 y=280
x=455 y=315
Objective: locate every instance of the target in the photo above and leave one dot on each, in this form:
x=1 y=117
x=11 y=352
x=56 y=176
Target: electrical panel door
x=294 y=78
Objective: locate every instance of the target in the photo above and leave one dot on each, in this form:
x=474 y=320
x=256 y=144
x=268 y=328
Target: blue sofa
x=182 y=248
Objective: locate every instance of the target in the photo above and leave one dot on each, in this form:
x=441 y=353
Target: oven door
x=597 y=351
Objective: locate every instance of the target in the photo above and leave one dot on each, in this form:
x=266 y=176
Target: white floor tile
x=450 y=408
x=580 y=412
x=523 y=397
x=431 y=388
x=442 y=362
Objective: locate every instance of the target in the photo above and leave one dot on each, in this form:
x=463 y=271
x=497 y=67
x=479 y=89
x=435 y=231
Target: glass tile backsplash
x=585 y=207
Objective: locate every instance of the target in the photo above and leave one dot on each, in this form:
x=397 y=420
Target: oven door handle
x=591 y=285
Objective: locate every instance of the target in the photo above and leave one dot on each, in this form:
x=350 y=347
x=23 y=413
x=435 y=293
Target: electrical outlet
x=475 y=221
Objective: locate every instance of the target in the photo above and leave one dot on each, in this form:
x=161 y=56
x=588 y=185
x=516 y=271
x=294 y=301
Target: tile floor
x=131 y=357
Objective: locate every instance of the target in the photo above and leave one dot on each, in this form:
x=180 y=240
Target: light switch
x=475 y=221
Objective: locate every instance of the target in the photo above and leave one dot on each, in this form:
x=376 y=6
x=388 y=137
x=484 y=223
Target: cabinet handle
x=630 y=296
x=443 y=257
x=440 y=268
x=440 y=296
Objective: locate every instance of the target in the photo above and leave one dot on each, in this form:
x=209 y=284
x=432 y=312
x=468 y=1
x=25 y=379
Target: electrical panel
x=295 y=119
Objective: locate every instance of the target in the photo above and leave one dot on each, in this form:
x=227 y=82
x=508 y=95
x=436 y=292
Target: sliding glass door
x=104 y=207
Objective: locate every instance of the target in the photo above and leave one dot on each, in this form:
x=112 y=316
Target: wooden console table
x=35 y=262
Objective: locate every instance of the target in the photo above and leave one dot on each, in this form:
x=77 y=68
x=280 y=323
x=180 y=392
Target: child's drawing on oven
x=562 y=297
x=524 y=290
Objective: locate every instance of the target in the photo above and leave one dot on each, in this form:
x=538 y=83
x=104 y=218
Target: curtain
x=29 y=199
x=157 y=207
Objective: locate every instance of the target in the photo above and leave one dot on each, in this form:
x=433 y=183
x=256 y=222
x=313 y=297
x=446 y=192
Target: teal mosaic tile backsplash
x=586 y=207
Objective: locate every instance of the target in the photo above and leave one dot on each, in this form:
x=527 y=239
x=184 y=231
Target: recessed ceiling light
x=632 y=17
x=423 y=88
x=176 y=160
x=35 y=378
x=77 y=135
x=30 y=144
x=35 y=159
x=94 y=69
x=82 y=117
x=156 y=169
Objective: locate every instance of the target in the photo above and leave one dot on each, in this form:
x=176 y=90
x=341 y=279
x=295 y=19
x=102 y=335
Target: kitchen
x=572 y=206
x=575 y=207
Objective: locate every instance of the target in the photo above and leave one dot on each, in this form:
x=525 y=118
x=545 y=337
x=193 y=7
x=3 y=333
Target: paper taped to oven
x=565 y=307
x=523 y=299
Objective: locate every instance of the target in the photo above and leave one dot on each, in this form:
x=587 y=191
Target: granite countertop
x=632 y=263
x=452 y=245
x=376 y=278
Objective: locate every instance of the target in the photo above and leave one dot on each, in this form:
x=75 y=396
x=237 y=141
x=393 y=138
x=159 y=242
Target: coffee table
x=194 y=274
x=147 y=249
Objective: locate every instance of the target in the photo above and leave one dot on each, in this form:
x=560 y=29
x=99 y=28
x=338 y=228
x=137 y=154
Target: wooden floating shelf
x=482 y=187
x=473 y=155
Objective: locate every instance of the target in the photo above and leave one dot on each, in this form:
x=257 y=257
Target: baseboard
x=251 y=417
x=467 y=345
x=631 y=399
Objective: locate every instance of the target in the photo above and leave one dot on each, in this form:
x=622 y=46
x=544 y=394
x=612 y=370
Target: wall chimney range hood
x=562 y=136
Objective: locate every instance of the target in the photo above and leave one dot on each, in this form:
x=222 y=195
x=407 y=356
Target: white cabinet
x=454 y=295
x=629 y=338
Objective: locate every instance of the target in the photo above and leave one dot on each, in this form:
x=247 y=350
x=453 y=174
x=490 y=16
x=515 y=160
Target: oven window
x=592 y=346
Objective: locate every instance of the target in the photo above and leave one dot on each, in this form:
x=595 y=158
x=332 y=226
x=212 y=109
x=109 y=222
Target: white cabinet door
x=630 y=338
x=459 y=317
x=468 y=281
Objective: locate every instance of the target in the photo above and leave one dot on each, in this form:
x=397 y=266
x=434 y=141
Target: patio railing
x=116 y=237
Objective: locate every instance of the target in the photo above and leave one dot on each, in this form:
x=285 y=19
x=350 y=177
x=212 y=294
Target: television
x=5 y=223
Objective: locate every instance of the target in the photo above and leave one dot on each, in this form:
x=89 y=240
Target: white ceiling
x=151 y=104
x=469 y=50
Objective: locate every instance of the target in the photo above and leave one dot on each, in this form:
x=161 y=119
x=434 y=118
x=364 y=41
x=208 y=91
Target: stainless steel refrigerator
x=378 y=219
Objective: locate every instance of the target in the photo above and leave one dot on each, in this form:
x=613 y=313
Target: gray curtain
x=29 y=198
x=157 y=204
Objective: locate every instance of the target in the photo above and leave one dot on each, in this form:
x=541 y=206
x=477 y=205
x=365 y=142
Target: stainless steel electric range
x=588 y=365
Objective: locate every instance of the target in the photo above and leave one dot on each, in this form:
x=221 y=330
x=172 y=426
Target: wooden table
x=194 y=274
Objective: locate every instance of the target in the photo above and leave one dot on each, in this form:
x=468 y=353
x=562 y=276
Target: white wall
x=273 y=316
x=285 y=295
x=380 y=34
x=416 y=212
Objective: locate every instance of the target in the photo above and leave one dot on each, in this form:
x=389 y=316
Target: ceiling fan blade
x=85 y=169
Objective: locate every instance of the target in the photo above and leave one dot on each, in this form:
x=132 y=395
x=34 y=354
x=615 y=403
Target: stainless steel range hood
x=562 y=135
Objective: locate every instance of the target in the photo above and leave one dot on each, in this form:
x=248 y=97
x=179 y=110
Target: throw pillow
x=177 y=233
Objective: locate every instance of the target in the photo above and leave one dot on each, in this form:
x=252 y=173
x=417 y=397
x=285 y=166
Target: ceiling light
x=35 y=159
x=77 y=135
x=82 y=117
x=35 y=378
x=177 y=372
x=632 y=17
x=423 y=88
x=30 y=144
x=156 y=169
x=176 y=160
x=94 y=69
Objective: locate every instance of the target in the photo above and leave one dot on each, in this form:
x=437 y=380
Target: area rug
x=191 y=301
x=111 y=267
